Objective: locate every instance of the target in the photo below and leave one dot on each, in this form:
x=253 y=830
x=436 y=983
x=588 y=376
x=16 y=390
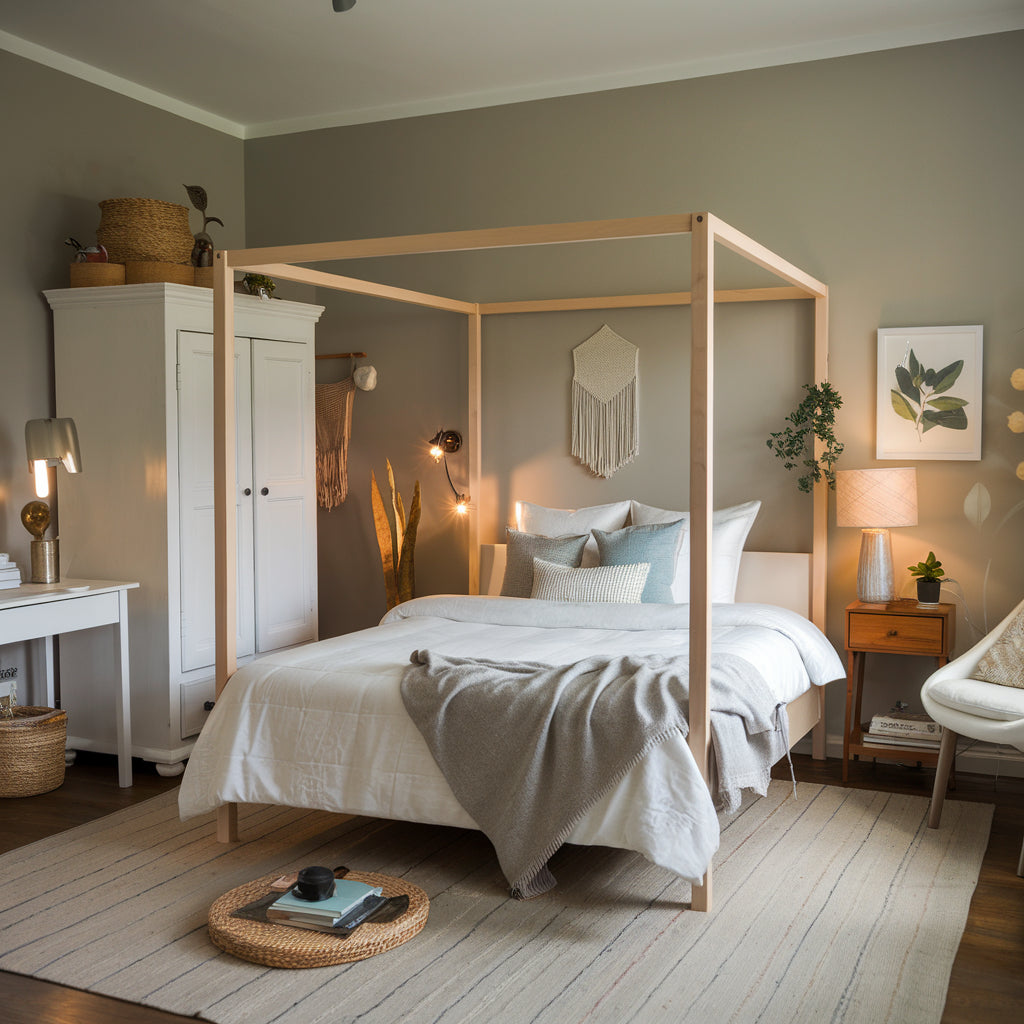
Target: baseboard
x=972 y=756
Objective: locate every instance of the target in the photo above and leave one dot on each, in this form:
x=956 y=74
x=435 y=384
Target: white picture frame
x=929 y=393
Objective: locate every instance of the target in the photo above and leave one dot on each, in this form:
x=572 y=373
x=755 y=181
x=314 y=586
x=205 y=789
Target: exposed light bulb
x=462 y=505
x=436 y=453
x=42 y=476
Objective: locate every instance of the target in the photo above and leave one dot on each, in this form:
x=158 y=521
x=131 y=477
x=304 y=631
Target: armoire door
x=195 y=498
x=284 y=514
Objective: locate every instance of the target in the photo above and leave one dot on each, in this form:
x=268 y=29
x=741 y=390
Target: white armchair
x=965 y=706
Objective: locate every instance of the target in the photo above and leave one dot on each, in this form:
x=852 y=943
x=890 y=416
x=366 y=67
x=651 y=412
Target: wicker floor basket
x=32 y=751
x=145 y=229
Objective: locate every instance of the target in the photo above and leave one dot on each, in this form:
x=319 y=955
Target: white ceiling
x=265 y=67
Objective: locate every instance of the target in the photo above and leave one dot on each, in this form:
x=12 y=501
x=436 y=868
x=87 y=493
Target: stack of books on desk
x=10 y=575
x=322 y=915
x=903 y=729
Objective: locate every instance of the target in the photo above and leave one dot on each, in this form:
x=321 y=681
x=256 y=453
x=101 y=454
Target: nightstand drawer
x=898 y=633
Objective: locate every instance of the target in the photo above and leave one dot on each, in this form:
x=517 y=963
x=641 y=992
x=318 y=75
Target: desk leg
x=122 y=698
x=51 y=692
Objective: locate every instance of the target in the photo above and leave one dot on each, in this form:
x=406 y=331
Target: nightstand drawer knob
x=893 y=632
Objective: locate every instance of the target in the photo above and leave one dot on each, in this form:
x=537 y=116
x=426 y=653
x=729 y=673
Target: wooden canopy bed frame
x=706 y=230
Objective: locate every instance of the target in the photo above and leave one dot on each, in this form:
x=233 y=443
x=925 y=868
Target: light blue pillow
x=521 y=550
x=657 y=544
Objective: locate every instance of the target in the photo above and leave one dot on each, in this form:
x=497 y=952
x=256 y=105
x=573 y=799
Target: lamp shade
x=876 y=498
x=52 y=441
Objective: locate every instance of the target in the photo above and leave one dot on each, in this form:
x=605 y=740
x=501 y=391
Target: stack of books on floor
x=323 y=915
x=903 y=729
x=10 y=575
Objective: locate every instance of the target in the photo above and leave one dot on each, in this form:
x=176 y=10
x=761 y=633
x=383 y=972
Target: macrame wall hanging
x=333 y=431
x=605 y=417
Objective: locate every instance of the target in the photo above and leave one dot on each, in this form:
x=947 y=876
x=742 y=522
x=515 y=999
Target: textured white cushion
x=976 y=697
x=729 y=530
x=621 y=584
x=1003 y=662
x=559 y=522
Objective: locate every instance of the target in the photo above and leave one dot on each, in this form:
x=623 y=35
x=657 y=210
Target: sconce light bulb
x=42 y=478
x=436 y=453
x=462 y=505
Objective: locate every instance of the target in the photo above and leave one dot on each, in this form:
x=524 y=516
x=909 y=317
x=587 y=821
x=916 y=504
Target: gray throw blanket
x=528 y=748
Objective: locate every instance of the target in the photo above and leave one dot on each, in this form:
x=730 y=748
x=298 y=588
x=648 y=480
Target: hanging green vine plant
x=814 y=417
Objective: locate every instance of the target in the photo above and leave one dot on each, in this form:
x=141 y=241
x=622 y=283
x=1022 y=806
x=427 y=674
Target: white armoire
x=134 y=368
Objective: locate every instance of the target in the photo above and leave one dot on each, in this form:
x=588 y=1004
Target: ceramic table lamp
x=875 y=500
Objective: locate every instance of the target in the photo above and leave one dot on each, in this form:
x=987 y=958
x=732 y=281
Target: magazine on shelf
x=904 y=723
x=910 y=743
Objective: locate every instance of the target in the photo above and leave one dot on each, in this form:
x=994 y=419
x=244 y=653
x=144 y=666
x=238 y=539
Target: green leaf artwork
x=920 y=396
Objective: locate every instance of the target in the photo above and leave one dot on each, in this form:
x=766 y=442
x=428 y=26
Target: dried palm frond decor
x=397 y=541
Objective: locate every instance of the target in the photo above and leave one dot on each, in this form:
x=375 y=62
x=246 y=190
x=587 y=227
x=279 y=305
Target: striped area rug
x=835 y=905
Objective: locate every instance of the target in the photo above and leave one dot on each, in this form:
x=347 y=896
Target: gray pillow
x=521 y=550
x=657 y=544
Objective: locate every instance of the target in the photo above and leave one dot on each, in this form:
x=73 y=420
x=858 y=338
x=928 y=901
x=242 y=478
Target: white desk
x=44 y=610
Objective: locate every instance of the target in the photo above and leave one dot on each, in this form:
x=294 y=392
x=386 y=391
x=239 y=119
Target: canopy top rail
x=281 y=260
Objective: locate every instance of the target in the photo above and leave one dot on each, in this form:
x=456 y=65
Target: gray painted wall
x=67 y=146
x=894 y=177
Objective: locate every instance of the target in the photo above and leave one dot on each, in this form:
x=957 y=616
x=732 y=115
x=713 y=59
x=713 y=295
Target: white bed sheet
x=323 y=726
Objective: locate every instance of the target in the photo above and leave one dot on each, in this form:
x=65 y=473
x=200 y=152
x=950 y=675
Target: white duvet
x=323 y=726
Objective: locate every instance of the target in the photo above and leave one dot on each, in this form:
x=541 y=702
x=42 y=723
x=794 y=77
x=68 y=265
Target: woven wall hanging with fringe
x=605 y=416
x=333 y=431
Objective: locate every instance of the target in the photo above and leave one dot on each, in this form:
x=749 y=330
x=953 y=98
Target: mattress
x=323 y=726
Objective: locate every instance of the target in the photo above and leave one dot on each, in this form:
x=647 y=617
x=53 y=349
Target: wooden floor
x=986 y=987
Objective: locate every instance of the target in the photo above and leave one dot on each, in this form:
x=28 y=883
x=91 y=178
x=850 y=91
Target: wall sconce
x=52 y=442
x=49 y=442
x=875 y=499
x=443 y=444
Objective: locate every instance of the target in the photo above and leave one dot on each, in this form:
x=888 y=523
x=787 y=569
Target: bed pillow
x=521 y=550
x=657 y=544
x=729 y=529
x=1003 y=662
x=558 y=522
x=620 y=584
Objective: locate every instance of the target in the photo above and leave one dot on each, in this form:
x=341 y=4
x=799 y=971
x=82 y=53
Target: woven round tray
x=278 y=945
x=32 y=751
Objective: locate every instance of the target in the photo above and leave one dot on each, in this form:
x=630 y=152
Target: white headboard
x=766 y=577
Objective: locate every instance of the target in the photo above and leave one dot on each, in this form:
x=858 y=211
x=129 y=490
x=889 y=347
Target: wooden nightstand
x=898 y=627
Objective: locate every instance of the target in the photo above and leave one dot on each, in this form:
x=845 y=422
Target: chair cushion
x=977 y=697
x=1003 y=662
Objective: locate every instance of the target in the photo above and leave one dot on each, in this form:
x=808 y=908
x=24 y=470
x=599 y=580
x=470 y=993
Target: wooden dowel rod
x=342 y=355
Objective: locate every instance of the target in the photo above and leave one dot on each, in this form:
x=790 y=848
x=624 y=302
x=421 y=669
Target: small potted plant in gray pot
x=929 y=580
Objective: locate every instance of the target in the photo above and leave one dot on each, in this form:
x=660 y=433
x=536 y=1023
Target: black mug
x=314 y=884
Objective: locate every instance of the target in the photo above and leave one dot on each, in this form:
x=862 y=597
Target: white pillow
x=620 y=584
x=729 y=529
x=560 y=522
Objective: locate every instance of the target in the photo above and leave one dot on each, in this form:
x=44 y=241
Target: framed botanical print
x=929 y=393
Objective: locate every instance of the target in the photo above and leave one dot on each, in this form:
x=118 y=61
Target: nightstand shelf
x=897 y=627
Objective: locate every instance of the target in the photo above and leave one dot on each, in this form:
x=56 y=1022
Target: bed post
x=473 y=434
x=819 y=548
x=224 y=486
x=702 y=290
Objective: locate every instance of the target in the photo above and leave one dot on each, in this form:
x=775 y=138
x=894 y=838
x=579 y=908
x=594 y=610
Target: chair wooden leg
x=947 y=750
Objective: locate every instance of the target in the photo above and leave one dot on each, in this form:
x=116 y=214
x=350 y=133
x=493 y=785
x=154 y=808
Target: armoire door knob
x=247 y=491
x=264 y=491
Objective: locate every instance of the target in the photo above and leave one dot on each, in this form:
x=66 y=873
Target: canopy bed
x=284 y=262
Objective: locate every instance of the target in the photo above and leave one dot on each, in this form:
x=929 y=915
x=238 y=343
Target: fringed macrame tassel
x=333 y=431
x=605 y=413
x=605 y=435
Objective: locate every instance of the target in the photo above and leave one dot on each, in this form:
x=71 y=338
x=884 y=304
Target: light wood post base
x=700 y=898
x=227 y=823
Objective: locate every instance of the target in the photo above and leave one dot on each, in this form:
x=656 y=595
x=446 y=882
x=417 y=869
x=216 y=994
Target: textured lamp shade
x=875 y=499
